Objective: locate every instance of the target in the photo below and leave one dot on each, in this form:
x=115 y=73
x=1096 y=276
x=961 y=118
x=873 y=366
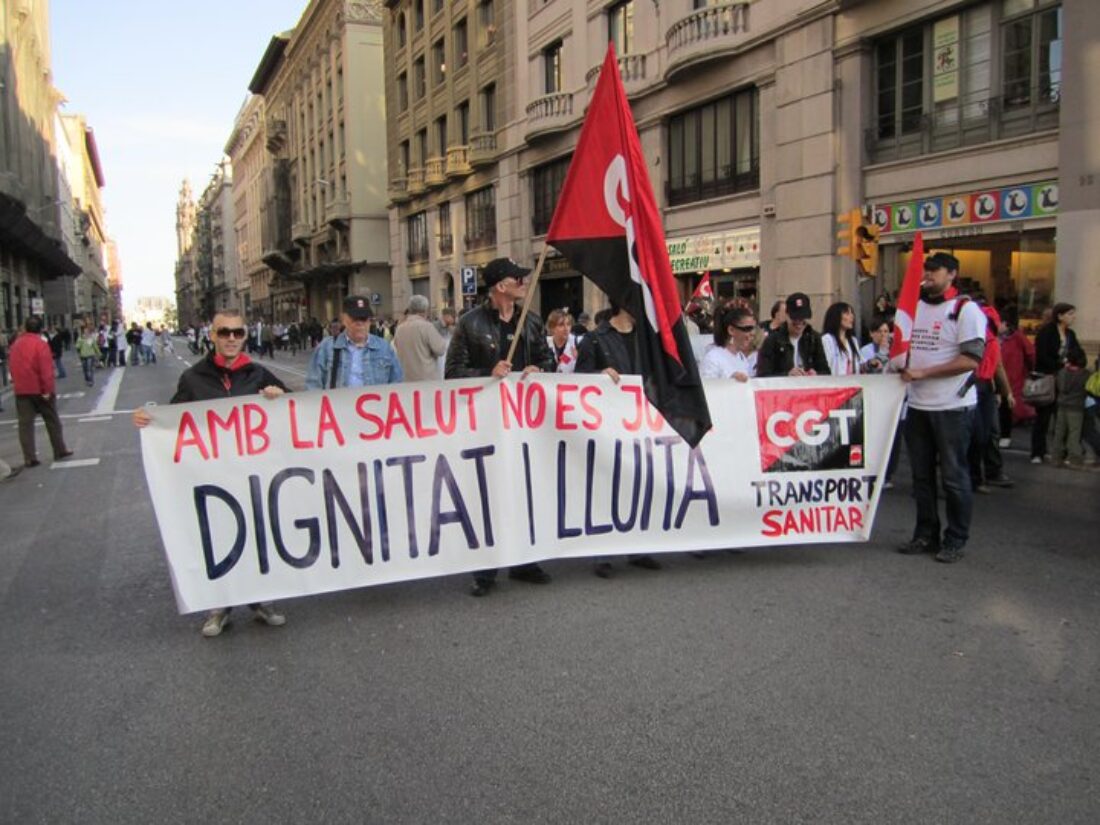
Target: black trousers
x=28 y=408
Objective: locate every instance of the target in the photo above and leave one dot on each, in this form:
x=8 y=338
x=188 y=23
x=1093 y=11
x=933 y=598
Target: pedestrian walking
x=1054 y=341
x=32 y=376
x=148 y=339
x=57 y=350
x=947 y=343
x=479 y=347
x=225 y=372
x=1070 y=414
x=87 y=349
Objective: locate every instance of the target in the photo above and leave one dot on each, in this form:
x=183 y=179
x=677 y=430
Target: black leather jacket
x=204 y=381
x=602 y=348
x=475 y=346
x=776 y=355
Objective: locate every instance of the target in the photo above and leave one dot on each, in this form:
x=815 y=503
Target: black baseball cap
x=938 y=259
x=798 y=307
x=358 y=307
x=500 y=268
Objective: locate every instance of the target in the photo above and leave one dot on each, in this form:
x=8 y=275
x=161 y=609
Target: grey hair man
x=418 y=344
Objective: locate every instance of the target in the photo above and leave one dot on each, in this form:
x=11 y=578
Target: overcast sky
x=160 y=83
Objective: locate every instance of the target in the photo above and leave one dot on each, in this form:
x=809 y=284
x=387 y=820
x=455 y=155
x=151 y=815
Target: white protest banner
x=312 y=492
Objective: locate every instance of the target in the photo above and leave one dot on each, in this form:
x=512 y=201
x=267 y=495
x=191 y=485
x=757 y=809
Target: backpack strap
x=960 y=302
x=334 y=370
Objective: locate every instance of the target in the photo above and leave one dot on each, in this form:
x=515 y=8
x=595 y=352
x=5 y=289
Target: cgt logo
x=810 y=429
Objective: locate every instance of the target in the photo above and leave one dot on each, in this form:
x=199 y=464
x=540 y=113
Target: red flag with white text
x=908 y=298
x=607 y=225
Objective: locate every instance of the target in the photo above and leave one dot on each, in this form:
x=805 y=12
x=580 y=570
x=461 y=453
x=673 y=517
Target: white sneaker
x=1036 y=460
x=268 y=615
x=215 y=621
x=1004 y=442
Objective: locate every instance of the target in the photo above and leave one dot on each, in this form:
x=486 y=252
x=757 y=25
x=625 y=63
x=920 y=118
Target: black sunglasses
x=234 y=332
x=746 y=328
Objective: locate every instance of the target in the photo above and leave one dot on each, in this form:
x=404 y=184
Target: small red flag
x=704 y=289
x=908 y=299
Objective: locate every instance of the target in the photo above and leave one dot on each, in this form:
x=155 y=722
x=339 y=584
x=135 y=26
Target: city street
x=827 y=684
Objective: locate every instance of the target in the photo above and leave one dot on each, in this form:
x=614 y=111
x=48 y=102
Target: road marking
x=71 y=395
x=277 y=366
x=94 y=418
x=106 y=403
x=77 y=462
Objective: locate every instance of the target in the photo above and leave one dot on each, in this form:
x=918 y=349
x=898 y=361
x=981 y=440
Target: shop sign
x=736 y=249
x=1009 y=203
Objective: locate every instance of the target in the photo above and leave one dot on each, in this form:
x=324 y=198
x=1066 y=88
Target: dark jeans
x=59 y=367
x=1040 y=428
x=88 y=364
x=28 y=408
x=942 y=436
x=491 y=575
x=1090 y=429
x=984 y=454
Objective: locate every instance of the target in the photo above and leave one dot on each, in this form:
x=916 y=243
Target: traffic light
x=848 y=233
x=867 y=248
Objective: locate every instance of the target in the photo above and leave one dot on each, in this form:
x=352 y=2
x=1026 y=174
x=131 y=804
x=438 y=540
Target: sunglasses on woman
x=231 y=332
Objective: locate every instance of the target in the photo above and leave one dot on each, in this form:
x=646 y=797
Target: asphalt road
x=826 y=684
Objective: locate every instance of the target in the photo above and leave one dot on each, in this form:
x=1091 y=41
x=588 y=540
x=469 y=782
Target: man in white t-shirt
x=945 y=347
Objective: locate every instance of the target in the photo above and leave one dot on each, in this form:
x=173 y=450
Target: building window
x=418 y=78
x=419 y=7
x=403 y=159
x=546 y=184
x=437 y=6
x=402 y=92
x=421 y=147
x=937 y=85
x=439 y=63
x=900 y=72
x=1031 y=62
x=489 y=108
x=446 y=238
x=402 y=30
x=620 y=26
x=441 y=135
x=461 y=44
x=418 y=237
x=463 y=113
x=481 y=219
x=551 y=67
x=714 y=149
x=486 y=23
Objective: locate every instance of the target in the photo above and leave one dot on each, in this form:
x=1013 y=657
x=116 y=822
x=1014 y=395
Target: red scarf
x=242 y=360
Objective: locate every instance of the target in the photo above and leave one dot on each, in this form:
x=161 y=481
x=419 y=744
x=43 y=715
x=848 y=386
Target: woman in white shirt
x=876 y=354
x=561 y=341
x=839 y=340
x=732 y=355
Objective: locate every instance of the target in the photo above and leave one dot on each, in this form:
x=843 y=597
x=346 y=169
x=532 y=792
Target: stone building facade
x=248 y=156
x=324 y=226
x=761 y=122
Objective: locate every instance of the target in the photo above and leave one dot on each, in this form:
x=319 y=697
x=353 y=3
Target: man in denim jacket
x=354 y=358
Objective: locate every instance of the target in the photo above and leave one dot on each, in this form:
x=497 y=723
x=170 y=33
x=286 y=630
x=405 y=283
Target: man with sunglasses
x=479 y=348
x=354 y=357
x=225 y=372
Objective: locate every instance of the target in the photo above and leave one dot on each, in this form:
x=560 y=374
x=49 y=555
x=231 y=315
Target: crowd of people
x=972 y=376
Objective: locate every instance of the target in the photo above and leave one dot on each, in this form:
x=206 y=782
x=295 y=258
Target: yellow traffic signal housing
x=866 y=247
x=848 y=224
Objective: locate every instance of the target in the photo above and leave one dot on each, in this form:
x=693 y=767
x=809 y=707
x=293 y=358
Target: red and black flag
x=607 y=225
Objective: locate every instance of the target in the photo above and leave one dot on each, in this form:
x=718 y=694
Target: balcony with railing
x=483 y=148
x=705 y=34
x=416 y=181
x=458 y=161
x=549 y=113
x=435 y=171
x=632 y=69
x=338 y=211
x=969 y=121
x=399 y=190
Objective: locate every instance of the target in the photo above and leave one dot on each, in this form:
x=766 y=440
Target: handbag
x=1092 y=386
x=1039 y=389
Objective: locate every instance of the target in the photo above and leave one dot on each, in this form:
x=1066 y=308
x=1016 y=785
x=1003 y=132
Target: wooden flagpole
x=523 y=313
